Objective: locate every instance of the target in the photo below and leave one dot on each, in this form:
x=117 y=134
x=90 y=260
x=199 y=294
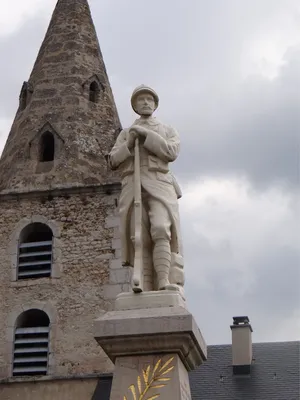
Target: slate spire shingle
x=68 y=96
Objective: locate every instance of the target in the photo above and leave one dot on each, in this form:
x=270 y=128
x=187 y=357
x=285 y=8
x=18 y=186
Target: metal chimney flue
x=241 y=345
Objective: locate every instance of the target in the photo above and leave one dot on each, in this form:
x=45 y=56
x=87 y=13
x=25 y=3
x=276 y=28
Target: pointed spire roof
x=67 y=120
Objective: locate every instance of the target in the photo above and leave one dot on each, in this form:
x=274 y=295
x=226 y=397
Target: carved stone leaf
x=133 y=391
x=145 y=377
x=139 y=383
x=158 y=386
x=166 y=364
x=153 y=397
x=156 y=367
x=148 y=372
x=167 y=371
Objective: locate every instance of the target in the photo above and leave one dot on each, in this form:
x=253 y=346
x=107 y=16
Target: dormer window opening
x=47 y=147
x=94 y=92
x=25 y=96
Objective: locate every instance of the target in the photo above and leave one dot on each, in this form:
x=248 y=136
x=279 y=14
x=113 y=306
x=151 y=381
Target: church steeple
x=67 y=120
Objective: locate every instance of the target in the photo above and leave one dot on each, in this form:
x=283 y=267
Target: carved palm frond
x=146 y=383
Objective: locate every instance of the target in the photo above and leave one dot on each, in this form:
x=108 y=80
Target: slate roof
x=275 y=375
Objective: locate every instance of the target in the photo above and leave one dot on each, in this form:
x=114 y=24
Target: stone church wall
x=87 y=276
x=59 y=389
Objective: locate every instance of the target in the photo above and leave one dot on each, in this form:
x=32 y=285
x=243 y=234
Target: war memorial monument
x=150 y=336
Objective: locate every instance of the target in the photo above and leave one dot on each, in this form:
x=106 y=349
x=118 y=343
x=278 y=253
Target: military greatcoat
x=160 y=147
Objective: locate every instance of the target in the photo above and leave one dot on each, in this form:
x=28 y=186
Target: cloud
x=242 y=257
x=20 y=49
x=15 y=12
x=227 y=75
x=255 y=134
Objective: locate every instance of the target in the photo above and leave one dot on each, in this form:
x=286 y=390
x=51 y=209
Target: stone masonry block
x=119 y=276
x=126 y=287
x=116 y=244
x=115 y=264
x=118 y=253
x=112 y=222
x=110 y=292
x=117 y=233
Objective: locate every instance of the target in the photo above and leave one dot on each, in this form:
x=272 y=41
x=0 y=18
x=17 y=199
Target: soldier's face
x=145 y=104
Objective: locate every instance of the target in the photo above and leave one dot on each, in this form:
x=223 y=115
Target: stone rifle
x=138 y=240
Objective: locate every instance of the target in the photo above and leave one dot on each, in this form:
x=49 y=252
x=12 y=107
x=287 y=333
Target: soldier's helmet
x=144 y=89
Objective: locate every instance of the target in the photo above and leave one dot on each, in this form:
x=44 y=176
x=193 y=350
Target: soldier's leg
x=147 y=250
x=147 y=246
x=160 y=229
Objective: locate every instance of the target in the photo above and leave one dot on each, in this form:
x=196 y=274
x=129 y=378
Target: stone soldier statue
x=158 y=145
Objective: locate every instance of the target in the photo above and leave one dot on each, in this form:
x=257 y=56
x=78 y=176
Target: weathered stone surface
x=58 y=93
x=79 y=389
x=79 y=293
x=138 y=332
x=121 y=275
x=153 y=375
x=144 y=300
x=115 y=264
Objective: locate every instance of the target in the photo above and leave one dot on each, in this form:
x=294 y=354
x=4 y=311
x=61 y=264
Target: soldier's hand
x=131 y=138
x=141 y=131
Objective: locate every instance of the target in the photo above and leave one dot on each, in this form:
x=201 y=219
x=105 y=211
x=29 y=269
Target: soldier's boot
x=162 y=262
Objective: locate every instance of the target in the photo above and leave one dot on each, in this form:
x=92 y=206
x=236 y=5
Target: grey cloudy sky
x=228 y=76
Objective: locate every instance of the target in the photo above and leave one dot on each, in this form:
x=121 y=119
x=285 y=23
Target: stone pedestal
x=153 y=375
x=153 y=341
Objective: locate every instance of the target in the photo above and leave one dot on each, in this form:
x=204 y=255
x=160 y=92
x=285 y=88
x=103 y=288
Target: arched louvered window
x=94 y=92
x=31 y=343
x=35 y=252
x=47 y=147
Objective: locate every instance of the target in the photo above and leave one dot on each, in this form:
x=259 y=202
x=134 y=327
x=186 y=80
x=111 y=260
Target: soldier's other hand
x=141 y=131
x=131 y=138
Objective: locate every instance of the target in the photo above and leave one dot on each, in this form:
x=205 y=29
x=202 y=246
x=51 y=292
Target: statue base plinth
x=154 y=333
x=145 y=300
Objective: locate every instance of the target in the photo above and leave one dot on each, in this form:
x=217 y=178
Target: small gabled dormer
x=93 y=89
x=25 y=95
x=94 y=92
x=46 y=148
